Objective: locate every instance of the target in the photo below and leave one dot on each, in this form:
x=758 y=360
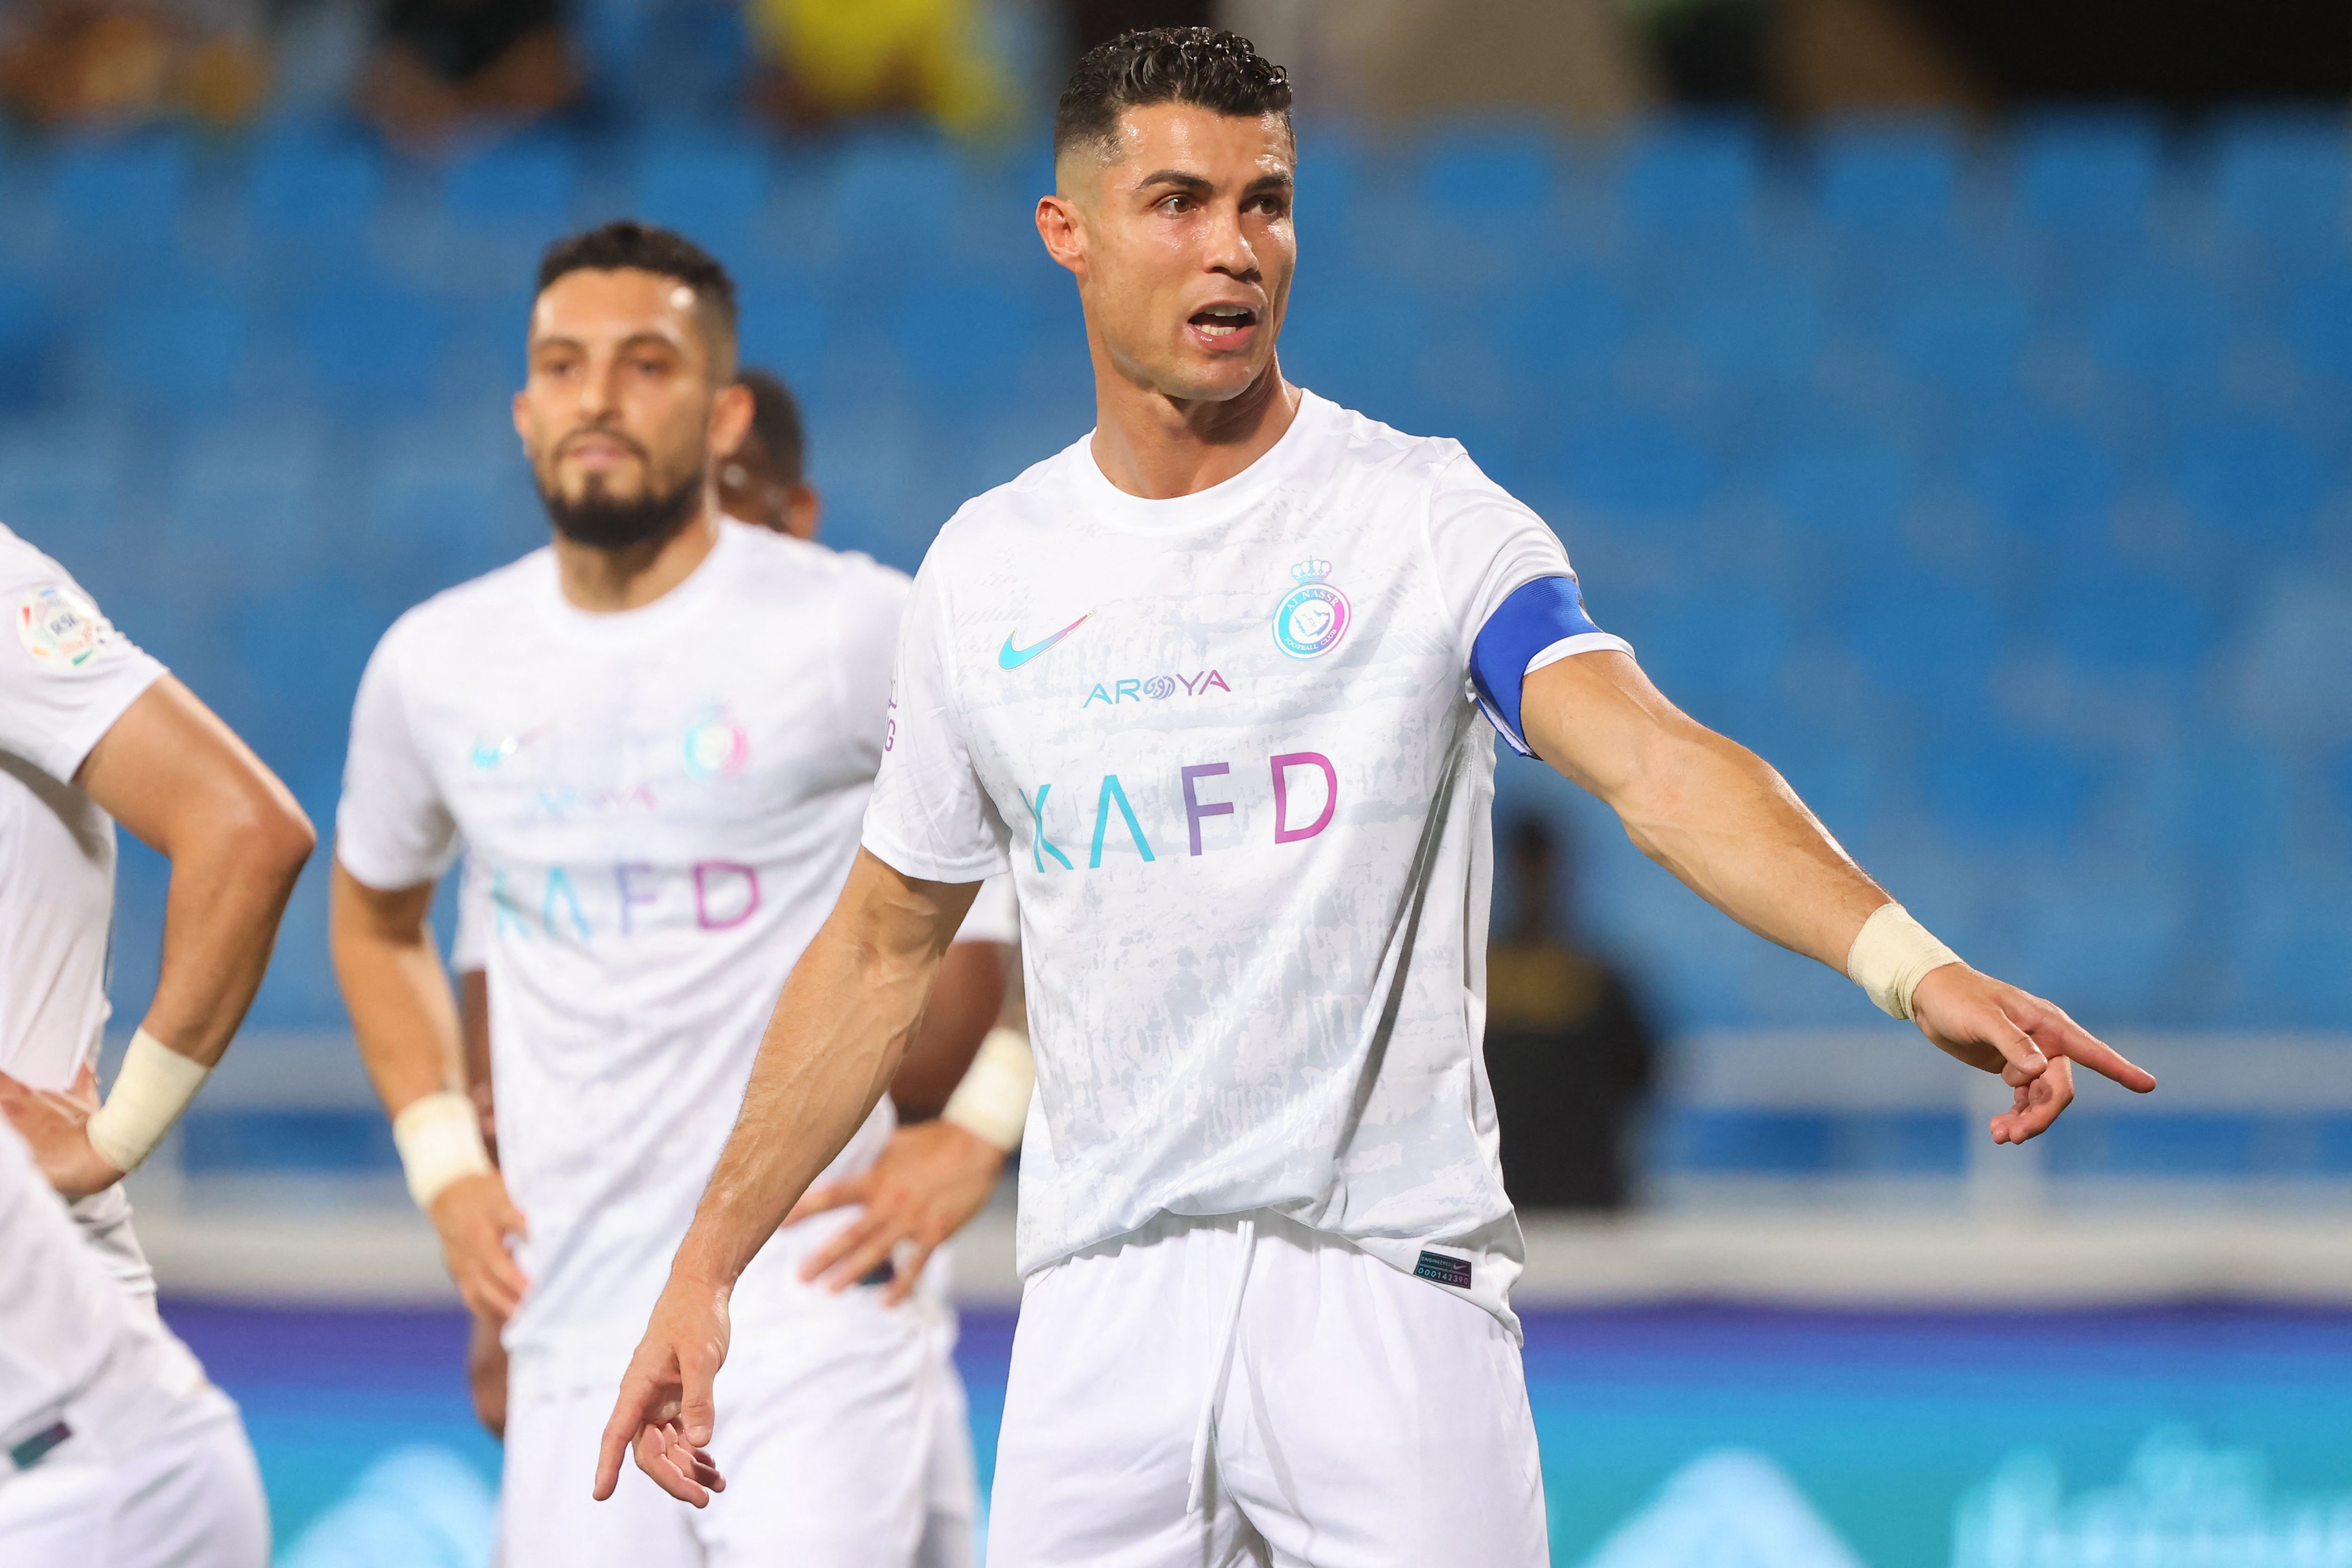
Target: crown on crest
x=1311 y=571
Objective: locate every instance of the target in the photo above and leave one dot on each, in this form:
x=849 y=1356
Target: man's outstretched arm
x=1723 y=821
x=853 y=1003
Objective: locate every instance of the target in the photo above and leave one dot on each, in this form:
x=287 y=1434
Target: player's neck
x=602 y=582
x=1159 y=447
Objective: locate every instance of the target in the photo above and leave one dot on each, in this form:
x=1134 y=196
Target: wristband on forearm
x=1891 y=954
x=440 y=1141
x=992 y=1104
x=154 y=1085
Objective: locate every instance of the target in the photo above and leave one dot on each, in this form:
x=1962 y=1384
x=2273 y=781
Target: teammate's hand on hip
x=931 y=1180
x=665 y=1412
x=2032 y=1042
x=485 y=1375
x=475 y=1217
x=55 y=1125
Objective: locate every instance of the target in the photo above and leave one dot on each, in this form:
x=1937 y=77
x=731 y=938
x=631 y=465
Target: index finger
x=628 y=1418
x=2078 y=1043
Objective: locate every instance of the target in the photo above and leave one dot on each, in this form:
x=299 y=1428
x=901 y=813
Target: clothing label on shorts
x=1453 y=1271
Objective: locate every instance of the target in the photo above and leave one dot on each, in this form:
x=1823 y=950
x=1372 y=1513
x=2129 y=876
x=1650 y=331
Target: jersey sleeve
x=995 y=916
x=1510 y=594
x=874 y=607
x=931 y=817
x=66 y=674
x=393 y=829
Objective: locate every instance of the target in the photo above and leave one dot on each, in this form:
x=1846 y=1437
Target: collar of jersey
x=1217 y=504
x=628 y=628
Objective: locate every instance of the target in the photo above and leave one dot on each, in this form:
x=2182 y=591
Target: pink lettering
x=1281 y=765
x=709 y=872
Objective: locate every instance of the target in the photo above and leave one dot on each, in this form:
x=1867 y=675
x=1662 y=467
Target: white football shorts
x=1243 y=1390
x=185 y=1494
x=843 y=1438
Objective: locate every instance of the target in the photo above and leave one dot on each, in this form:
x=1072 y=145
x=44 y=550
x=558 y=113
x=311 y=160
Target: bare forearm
x=963 y=1006
x=838 y=1035
x=402 y=1012
x=220 y=923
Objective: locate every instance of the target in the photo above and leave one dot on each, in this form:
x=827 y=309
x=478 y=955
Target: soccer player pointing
x=1211 y=682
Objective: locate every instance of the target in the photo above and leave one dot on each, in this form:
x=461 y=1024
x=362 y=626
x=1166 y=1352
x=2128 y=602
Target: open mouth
x=1223 y=320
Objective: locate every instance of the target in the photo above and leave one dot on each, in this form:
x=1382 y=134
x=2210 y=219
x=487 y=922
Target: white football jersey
x=1227 y=746
x=66 y=676
x=660 y=806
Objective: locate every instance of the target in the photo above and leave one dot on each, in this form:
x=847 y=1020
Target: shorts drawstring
x=1215 y=1395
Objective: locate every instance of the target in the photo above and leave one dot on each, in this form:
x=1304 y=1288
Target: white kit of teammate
x=114 y=1451
x=659 y=807
x=1207 y=735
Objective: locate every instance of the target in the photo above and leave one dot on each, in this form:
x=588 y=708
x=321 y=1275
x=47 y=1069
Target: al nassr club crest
x=1313 y=616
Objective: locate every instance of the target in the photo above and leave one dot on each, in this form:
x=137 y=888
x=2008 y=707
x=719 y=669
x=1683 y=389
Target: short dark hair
x=642 y=248
x=776 y=422
x=1198 y=66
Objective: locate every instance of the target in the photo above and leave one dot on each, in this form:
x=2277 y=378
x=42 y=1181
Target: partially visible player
x=656 y=738
x=113 y=1449
x=765 y=479
x=1220 y=684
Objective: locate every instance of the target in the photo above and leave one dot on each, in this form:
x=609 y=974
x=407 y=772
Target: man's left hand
x=55 y=1123
x=2032 y=1042
x=930 y=1182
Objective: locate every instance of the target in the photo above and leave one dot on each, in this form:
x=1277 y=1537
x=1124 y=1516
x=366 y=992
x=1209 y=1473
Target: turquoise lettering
x=1110 y=793
x=508 y=912
x=1040 y=846
x=1127 y=689
x=1097 y=695
x=560 y=881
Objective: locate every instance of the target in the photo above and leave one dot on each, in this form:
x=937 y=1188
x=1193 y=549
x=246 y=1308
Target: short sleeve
x=470 y=943
x=392 y=829
x=66 y=674
x=874 y=610
x=929 y=815
x=994 y=915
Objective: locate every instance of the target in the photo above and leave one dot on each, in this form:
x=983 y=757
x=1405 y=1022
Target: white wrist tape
x=154 y=1085
x=440 y=1144
x=1891 y=954
x=992 y=1104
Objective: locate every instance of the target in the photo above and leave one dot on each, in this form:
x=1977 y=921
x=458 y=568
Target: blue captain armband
x=1540 y=623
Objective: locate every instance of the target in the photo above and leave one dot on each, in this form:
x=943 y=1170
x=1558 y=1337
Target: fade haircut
x=642 y=248
x=776 y=422
x=1197 y=66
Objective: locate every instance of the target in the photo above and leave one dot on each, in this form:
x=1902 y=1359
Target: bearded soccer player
x=1219 y=683
x=114 y=1451
x=656 y=736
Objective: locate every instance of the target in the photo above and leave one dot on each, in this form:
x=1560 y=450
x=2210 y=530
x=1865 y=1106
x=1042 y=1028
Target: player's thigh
x=188 y=1496
x=545 y=1512
x=1111 y=1361
x=1378 y=1420
x=826 y=1447
x=59 y=1514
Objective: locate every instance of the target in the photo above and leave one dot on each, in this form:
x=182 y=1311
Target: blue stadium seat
x=31 y=331
x=714 y=189
x=1889 y=179
x=1564 y=331
x=123 y=194
x=179 y=342
x=785 y=327
x=1727 y=1142
x=2283 y=178
x=1999 y=791
x=965 y=338
x=2115 y=620
x=1637 y=468
x=435 y=522
x=1921 y=634
x=520 y=188
x=61 y=486
x=1964 y=333
x=1760 y=333
x=895 y=192
x=2300 y=643
x=1492 y=173
x=1693 y=178
x=2042 y=477
x=1844 y=488
x=315 y=191
x=2087 y=175
x=2164 y=327
x=2293 y=943
x=256 y=491
x=2224 y=800
x=2250 y=479
x=2319 y=325
x=373 y=347
x=2103 y=944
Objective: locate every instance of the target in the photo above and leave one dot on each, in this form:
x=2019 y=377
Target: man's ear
x=730 y=419
x=803 y=510
x=1058 y=224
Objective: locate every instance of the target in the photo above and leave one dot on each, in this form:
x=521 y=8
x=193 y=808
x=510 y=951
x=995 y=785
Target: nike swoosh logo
x=1010 y=658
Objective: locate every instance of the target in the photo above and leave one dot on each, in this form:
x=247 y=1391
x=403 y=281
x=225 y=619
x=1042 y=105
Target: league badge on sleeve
x=58 y=626
x=1313 y=616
